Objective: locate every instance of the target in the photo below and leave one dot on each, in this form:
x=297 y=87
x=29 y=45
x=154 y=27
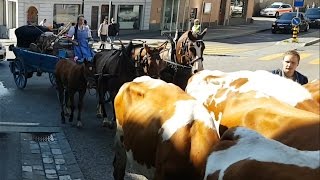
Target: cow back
x=238 y=100
x=245 y=154
x=163 y=128
x=314 y=88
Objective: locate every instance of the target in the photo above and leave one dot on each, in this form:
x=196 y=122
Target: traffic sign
x=296 y=21
x=298 y=3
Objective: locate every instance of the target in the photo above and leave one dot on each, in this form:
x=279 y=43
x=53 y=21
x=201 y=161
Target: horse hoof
x=79 y=124
x=99 y=115
x=109 y=124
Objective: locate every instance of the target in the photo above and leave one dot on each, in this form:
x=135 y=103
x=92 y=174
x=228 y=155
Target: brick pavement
x=48 y=156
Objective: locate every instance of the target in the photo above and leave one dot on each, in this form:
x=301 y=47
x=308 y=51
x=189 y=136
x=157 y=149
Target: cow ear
x=191 y=36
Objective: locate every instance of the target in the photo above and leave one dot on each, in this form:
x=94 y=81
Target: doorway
x=169 y=16
x=222 y=12
x=32 y=16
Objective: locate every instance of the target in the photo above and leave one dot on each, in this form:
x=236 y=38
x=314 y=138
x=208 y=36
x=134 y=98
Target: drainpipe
x=82 y=7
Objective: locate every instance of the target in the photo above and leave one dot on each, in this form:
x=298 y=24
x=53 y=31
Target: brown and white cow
x=244 y=154
x=162 y=132
x=261 y=101
x=314 y=88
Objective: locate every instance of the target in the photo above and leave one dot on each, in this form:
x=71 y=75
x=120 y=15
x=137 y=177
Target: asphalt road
x=92 y=145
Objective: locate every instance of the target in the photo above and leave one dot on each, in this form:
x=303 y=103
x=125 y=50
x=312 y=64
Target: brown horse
x=71 y=78
x=147 y=59
x=116 y=67
x=184 y=58
x=189 y=50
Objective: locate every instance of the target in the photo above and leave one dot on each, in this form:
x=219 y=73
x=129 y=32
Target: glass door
x=175 y=15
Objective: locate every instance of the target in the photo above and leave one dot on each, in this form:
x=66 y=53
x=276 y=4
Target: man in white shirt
x=103 y=33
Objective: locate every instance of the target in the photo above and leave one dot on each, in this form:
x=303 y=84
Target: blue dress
x=82 y=50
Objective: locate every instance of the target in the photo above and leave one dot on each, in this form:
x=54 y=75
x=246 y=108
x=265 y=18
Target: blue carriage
x=32 y=58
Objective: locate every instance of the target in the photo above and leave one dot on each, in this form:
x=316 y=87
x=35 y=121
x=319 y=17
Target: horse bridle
x=185 y=49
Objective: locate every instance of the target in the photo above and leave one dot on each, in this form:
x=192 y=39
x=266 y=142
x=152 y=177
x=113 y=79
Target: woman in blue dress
x=81 y=34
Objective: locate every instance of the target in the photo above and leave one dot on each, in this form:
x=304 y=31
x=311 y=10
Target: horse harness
x=185 y=49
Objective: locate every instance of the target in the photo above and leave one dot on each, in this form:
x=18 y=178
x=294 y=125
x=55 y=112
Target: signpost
x=298 y=3
x=296 y=21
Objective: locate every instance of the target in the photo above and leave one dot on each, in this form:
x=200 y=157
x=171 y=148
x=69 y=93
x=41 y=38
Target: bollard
x=295 y=34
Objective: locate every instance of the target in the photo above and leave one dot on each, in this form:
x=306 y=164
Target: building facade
x=166 y=15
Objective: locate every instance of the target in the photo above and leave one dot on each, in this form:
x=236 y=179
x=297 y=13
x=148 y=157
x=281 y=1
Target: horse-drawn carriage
x=37 y=51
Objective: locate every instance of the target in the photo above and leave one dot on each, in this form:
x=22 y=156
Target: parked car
x=2 y=52
x=283 y=23
x=276 y=9
x=313 y=14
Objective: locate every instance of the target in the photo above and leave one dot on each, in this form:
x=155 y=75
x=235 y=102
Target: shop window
x=65 y=13
x=129 y=16
x=94 y=17
x=238 y=8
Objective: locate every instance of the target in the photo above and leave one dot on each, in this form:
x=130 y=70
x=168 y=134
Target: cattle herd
x=214 y=125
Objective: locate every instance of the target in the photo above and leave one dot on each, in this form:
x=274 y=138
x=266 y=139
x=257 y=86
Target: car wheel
x=273 y=31
x=277 y=14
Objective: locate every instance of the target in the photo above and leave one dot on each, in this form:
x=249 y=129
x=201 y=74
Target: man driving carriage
x=81 y=34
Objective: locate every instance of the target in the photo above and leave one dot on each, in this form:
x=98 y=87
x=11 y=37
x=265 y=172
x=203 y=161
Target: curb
x=314 y=41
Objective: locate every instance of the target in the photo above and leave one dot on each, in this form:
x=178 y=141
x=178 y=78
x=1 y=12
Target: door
x=169 y=19
x=222 y=12
x=32 y=16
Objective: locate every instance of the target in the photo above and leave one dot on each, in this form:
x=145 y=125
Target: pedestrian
x=196 y=26
x=81 y=34
x=290 y=63
x=113 y=31
x=103 y=33
x=43 y=22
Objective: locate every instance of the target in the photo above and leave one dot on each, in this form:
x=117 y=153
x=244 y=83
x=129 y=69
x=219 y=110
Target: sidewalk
x=213 y=33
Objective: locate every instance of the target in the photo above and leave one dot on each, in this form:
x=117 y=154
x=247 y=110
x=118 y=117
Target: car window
x=274 y=6
x=287 y=16
x=313 y=11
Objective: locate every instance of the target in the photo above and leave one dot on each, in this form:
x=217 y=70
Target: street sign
x=296 y=21
x=298 y=3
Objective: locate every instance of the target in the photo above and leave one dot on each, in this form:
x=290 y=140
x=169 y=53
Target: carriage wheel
x=52 y=78
x=19 y=74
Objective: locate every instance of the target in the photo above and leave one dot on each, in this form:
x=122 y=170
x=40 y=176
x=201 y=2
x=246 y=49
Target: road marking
x=315 y=61
x=271 y=57
x=18 y=124
x=212 y=49
x=304 y=55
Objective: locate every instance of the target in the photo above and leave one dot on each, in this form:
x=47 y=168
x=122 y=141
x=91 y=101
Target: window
x=94 y=17
x=129 y=16
x=65 y=13
x=238 y=8
x=105 y=12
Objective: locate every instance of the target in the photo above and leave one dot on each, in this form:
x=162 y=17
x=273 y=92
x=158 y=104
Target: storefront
x=172 y=15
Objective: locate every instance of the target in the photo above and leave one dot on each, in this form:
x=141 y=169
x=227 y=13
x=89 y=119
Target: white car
x=2 y=52
x=276 y=9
